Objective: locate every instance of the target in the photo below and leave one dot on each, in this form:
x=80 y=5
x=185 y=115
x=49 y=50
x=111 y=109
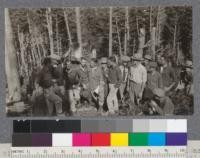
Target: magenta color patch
x=81 y=139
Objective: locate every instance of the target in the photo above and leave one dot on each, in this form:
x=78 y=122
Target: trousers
x=112 y=101
x=52 y=100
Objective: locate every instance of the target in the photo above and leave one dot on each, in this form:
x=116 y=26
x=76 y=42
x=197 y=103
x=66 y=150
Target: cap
x=147 y=57
x=137 y=57
x=125 y=58
x=104 y=60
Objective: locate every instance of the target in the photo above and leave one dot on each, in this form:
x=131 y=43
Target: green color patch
x=138 y=139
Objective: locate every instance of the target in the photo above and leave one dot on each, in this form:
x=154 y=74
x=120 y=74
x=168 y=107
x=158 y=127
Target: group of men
x=107 y=83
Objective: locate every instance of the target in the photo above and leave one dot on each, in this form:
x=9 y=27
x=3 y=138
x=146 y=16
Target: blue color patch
x=157 y=139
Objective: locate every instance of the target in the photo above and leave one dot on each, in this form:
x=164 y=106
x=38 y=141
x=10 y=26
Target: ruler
x=193 y=151
x=99 y=152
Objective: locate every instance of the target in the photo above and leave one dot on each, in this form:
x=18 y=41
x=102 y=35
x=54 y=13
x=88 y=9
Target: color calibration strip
x=100 y=139
x=103 y=126
x=110 y=133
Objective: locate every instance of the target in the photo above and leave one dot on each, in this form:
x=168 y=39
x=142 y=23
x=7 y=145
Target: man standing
x=72 y=84
x=124 y=74
x=168 y=75
x=114 y=80
x=137 y=79
x=104 y=68
x=154 y=80
x=83 y=74
x=45 y=79
x=96 y=84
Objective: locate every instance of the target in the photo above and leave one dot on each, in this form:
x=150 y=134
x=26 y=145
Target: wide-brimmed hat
x=188 y=64
x=137 y=57
x=147 y=57
x=125 y=58
x=159 y=92
x=104 y=60
x=55 y=57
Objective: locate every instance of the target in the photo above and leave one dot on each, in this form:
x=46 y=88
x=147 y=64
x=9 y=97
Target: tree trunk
x=141 y=40
x=158 y=27
x=78 y=27
x=174 y=40
x=133 y=46
x=138 y=31
x=127 y=32
x=110 y=31
x=150 y=19
x=57 y=36
x=153 y=42
x=50 y=29
x=67 y=26
x=118 y=36
x=22 y=52
x=60 y=46
x=14 y=90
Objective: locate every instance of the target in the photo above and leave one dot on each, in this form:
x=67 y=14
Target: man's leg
x=101 y=98
x=132 y=96
x=137 y=91
x=56 y=100
x=62 y=90
x=110 y=100
x=121 y=90
x=72 y=100
x=115 y=100
x=50 y=105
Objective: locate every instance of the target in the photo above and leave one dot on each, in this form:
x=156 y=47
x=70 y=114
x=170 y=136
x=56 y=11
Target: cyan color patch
x=157 y=139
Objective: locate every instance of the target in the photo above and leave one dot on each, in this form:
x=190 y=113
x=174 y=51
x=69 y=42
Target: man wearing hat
x=147 y=60
x=161 y=104
x=168 y=74
x=124 y=73
x=83 y=74
x=45 y=80
x=104 y=68
x=96 y=83
x=154 y=79
x=137 y=79
x=72 y=84
x=114 y=80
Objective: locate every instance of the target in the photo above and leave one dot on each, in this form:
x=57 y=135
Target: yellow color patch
x=119 y=139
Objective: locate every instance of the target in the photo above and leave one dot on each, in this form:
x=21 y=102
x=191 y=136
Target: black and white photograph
x=99 y=61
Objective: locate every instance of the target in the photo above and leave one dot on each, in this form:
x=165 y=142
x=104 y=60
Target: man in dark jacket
x=72 y=84
x=114 y=80
x=45 y=81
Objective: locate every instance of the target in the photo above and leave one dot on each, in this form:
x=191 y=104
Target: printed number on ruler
x=99 y=152
x=194 y=149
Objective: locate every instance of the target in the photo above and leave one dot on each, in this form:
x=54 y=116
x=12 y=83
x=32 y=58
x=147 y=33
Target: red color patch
x=100 y=139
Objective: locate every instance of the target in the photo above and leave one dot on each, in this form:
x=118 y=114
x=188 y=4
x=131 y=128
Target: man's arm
x=154 y=105
x=119 y=78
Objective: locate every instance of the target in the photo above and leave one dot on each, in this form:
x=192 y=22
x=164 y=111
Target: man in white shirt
x=137 y=79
